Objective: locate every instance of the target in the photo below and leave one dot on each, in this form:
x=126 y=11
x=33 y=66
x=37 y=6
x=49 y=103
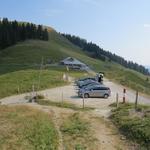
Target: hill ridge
x=99 y=53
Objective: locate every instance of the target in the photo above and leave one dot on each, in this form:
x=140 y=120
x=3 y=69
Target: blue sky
x=120 y=26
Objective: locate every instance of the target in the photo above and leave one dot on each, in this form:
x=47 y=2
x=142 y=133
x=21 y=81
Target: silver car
x=97 y=91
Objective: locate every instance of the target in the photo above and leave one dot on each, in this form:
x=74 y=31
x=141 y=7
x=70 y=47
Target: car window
x=100 y=88
x=96 y=88
x=104 y=88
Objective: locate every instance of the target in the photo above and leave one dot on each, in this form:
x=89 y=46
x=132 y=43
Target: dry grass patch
x=24 y=128
x=77 y=133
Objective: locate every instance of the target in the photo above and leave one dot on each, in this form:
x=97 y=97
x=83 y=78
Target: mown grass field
x=134 y=124
x=28 y=55
x=24 y=128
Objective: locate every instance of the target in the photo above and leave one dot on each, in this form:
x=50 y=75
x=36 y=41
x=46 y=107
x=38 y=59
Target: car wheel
x=86 y=95
x=106 y=96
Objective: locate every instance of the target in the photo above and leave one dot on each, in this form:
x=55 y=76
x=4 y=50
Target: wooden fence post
x=18 y=89
x=136 y=100
x=83 y=100
x=62 y=98
x=117 y=99
x=33 y=93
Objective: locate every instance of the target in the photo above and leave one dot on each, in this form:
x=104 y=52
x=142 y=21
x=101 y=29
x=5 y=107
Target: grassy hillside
x=28 y=55
x=21 y=81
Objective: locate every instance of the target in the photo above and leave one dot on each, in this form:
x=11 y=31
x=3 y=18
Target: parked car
x=86 y=82
x=81 y=90
x=80 y=81
x=90 y=85
x=97 y=91
x=94 y=83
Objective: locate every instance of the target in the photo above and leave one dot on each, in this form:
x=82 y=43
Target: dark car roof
x=92 y=78
x=91 y=83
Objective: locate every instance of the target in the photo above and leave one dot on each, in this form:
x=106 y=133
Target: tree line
x=96 y=52
x=12 y=32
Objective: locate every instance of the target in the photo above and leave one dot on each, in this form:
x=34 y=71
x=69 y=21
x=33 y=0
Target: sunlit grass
x=25 y=128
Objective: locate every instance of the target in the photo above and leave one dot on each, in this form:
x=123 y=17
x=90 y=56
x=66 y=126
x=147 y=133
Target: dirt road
x=69 y=93
x=130 y=94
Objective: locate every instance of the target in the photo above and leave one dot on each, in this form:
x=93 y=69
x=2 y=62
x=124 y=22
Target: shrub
x=135 y=127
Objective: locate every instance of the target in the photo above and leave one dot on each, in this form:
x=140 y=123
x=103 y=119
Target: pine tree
x=12 y=32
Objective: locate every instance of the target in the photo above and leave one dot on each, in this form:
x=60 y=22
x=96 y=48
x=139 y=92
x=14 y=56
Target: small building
x=73 y=63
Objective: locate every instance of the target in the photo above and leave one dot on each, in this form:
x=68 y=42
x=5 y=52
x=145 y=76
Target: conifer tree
x=12 y=32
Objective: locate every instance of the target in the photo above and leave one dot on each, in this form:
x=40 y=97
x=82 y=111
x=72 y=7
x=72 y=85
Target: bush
x=136 y=126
